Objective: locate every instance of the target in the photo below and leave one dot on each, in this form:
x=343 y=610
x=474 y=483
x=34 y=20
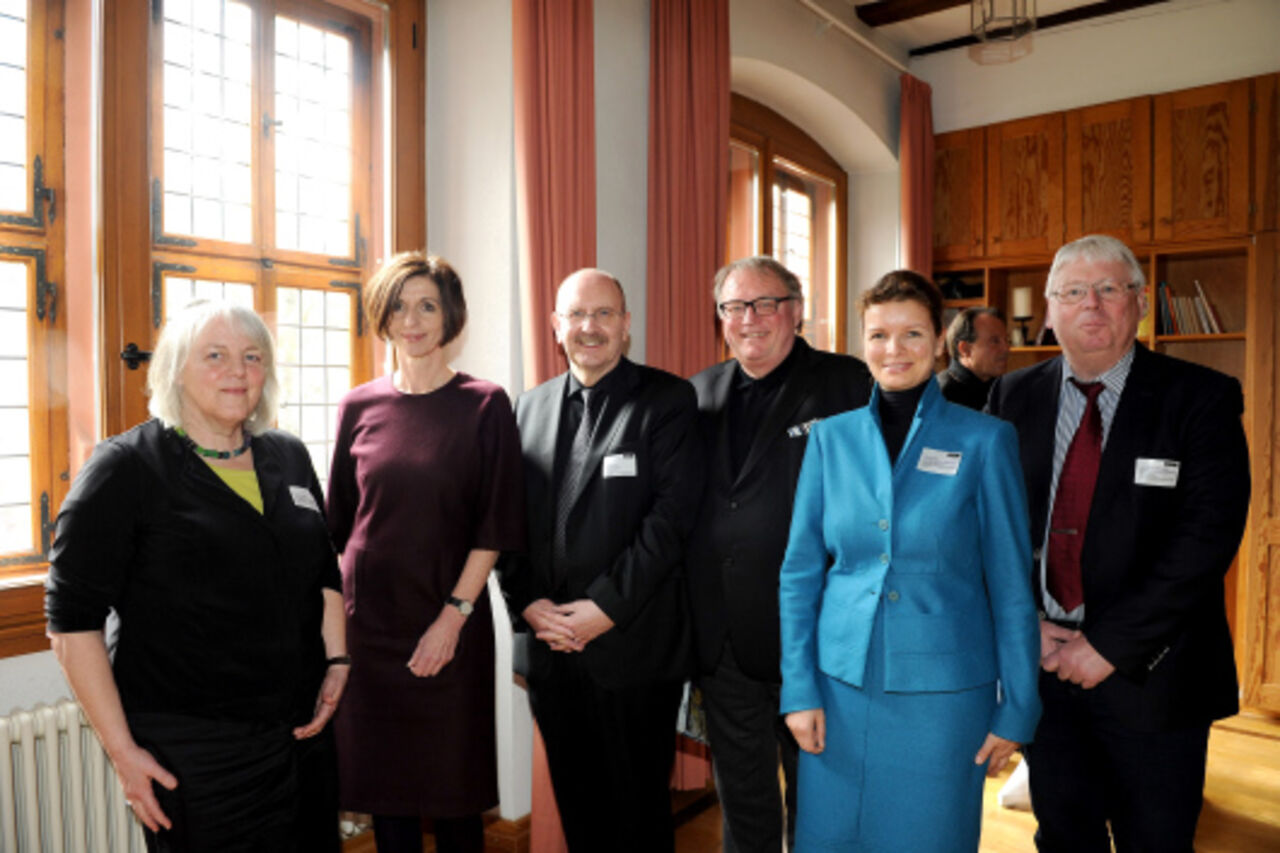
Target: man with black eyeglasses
x=755 y=411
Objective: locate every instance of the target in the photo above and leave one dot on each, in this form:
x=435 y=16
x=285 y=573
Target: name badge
x=801 y=430
x=620 y=465
x=946 y=462
x=1162 y=473
x=302 y=497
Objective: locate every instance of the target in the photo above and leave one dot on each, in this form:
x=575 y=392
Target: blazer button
x=893 y=595
x=733 y=504
x=728 y=562
x=884 y=524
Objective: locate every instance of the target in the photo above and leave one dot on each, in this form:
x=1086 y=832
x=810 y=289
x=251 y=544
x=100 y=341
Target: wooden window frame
x=36 y=238
x=754 y=125
x=123 y=236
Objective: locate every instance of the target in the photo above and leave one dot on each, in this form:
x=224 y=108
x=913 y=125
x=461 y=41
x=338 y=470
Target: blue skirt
x=897 y=772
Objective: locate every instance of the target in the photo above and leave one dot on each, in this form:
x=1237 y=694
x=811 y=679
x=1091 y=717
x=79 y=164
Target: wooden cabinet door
x=1266 y=165
x=958 y=160
x=1259 y=581
x=1201 y=169
x=1024 y=186
x=1108 y=171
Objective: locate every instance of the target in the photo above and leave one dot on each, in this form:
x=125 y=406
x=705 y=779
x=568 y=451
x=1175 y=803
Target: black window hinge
x=46 y=291
x=41 y=196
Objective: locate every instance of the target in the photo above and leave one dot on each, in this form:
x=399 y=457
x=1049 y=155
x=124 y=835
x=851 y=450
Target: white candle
x=1022 y=302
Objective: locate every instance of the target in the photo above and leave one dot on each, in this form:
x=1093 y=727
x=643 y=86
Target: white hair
x=1097 y=248
x=174 y=348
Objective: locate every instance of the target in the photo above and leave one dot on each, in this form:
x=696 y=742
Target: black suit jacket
x=1154 y=558
x=737 y=547
x=626 y=535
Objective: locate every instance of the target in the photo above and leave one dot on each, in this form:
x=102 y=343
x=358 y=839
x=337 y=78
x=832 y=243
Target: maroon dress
x=417 y=482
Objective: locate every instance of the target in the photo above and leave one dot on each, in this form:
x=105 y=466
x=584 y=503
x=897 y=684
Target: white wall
x=874 y=240
x=471 y=176
x=1155 y=49
x=622 y=151
x=28 y=680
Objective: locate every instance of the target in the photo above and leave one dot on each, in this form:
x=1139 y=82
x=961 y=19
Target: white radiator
x=58 y=791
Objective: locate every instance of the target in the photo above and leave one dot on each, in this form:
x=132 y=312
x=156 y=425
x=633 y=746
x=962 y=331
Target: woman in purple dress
x=424 y=493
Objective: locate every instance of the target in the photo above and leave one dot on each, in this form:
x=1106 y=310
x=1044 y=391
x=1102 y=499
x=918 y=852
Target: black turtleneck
x=897 y=408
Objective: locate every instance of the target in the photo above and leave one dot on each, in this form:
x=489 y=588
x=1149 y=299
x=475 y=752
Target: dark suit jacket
x=738 y=544
x=627 y=533
x=960 y=385
x=1154 y=557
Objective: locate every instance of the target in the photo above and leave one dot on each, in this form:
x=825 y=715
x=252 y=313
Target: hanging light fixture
x=1001 y=20
x=999 y=26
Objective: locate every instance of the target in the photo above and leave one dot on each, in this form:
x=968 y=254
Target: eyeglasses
x=764 y=306
x=578 y=315
x=1107 y=290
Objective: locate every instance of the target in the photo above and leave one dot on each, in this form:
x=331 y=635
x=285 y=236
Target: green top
x=243 y=483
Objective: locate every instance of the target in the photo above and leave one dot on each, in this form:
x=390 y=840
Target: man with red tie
x=1137 y=475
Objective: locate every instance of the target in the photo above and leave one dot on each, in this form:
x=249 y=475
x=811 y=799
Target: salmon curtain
x=555 y=148
x=688 y=178
x=915 y=159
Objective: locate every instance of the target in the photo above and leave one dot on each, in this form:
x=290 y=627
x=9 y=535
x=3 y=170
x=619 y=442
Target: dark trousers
x=1088 y=771
x=748 y=740
x=403 y=834
x=610 y=753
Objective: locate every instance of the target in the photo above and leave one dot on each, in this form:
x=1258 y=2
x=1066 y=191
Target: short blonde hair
x=174 y=348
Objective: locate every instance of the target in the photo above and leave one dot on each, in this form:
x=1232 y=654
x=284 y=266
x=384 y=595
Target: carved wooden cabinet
x=1266 y=147
x=1201 y=162
x=958 y=187
x=1024 y=186
x=1108 y=171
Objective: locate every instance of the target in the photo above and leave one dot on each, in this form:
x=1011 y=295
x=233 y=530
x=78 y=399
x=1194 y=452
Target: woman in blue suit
x=910 y=643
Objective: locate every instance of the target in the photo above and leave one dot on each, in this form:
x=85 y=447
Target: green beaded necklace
x=216 y=454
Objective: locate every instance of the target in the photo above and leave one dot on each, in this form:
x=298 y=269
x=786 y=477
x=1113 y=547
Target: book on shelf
x=1148 y=321
x=1214 y=321
x=1186 y=315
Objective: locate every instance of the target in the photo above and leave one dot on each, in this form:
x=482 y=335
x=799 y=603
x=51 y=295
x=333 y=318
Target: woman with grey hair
x=201 y=533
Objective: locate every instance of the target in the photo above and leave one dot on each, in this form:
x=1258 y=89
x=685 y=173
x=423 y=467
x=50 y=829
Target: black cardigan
x=219 y=607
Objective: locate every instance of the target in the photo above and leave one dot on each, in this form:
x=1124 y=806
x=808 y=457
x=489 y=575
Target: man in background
x=978 y=344
x=754 y=415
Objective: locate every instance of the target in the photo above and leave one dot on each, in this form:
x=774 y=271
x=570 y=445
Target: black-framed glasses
x=1107 y=290
x=764 y=306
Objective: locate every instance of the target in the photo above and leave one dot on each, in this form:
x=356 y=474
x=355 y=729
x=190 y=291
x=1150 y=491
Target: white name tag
x=801 y=430
x=620 y=465
x=302 y=497
x=1156 y=472
x=939 y=461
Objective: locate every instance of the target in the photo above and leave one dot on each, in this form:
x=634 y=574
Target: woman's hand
x=436 y=647
x=135 y=767
x=995 y=752
x=809 y=728
x=335 y=681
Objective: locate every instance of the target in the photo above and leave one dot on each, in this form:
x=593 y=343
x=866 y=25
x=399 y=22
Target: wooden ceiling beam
x=896 y=11
x=1044 y=22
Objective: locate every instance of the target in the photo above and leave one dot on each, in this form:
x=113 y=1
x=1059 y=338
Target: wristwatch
x=464 y=607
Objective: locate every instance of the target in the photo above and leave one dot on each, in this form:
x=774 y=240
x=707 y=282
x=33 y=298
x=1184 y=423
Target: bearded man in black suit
x=754 y=415
x=1137 y=476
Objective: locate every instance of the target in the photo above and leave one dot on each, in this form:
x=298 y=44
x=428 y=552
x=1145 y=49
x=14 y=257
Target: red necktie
x=1072 y=503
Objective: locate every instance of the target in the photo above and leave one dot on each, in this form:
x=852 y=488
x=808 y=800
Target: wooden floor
x=1241 y=802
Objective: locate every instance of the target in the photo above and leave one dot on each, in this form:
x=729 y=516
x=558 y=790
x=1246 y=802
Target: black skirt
x=242 y=786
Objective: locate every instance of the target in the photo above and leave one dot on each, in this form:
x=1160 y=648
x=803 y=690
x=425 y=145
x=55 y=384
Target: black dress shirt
x=750 y=401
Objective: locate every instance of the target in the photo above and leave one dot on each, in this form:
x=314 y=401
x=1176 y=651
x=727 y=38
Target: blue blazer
x=941 y=537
